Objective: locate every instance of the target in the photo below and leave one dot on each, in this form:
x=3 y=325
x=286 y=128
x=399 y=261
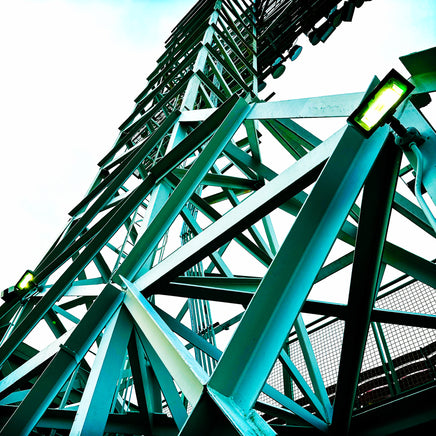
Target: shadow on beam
x=130 y=423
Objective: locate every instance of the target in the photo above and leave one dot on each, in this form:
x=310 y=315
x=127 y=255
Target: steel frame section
x=115 y=292
x=373 y=223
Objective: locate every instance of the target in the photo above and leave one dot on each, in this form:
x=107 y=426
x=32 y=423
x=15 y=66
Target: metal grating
x=397 y=358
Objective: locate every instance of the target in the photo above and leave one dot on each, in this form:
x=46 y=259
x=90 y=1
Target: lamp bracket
x=410 y=135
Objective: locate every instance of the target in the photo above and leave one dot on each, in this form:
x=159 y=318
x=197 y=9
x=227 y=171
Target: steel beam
x=60 y=368
x=401 y=415
x=123 y=173
x=102 y=384
x=244 y=296
x=212 y=351
x=327 y=106
x=185 y=370
x=313 y=369
x=62 y=284
x=168 y=149
x=148 y=394
x=195 y=229
x=183 y=191
x=251 y=353
x=231 y=224
x=413 y=213
x=373 y=224
x=166 y=383
x=303 y=386
x=7 y=383
x=129 y=423
x=411 y=117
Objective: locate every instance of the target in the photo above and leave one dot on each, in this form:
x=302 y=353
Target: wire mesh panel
x=397 y=358
x=374 y=383
x=412 y=349
x=276 y=380
x=413 y=297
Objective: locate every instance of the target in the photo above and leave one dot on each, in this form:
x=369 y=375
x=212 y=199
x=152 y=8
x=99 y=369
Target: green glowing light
x=378 y=107
x=26 y=281
x=382 y=102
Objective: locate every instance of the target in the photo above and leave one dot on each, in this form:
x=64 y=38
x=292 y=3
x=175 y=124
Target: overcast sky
x=71 y=68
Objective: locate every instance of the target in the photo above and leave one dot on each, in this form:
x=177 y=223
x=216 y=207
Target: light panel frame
x=355 y=119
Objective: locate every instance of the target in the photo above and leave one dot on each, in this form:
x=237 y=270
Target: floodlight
x=347 y=11
x=335 y=18
x=326 y=30
x=313 y=36
x=358 y=3
x=278 y=68
x=294 y=52
x=261 y=86
x=379 y=105
x=278 y=71
x=26 y=282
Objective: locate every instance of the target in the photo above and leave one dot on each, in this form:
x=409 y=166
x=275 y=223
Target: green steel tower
x=189 y=291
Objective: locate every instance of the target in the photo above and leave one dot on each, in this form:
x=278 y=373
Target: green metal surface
x=132 y=327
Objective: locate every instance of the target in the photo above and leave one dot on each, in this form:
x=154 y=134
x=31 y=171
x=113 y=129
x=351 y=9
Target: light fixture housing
x=348 y=11
x=261 y=86
x=278 y=71
x=294 y=52
x=26 y=282
x=380 y=104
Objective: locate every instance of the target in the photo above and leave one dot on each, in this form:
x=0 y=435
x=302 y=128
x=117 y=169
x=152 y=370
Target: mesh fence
x=397 y=358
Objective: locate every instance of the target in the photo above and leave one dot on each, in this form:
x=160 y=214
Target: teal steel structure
x=125 y=329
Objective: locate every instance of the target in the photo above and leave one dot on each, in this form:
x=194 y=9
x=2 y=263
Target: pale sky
x=71 y=69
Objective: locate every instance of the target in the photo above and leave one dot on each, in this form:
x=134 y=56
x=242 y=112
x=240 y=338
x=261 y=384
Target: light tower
x=137 y=316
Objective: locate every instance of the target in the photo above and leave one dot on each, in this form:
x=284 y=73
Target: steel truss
x=119 y=359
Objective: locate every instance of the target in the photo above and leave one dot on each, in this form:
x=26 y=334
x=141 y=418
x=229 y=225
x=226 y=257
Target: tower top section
x=279 y=23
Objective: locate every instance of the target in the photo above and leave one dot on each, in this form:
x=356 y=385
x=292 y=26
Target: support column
x=373 y=224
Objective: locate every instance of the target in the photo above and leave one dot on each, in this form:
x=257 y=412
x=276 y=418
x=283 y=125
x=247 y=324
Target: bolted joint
x=70 y=352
